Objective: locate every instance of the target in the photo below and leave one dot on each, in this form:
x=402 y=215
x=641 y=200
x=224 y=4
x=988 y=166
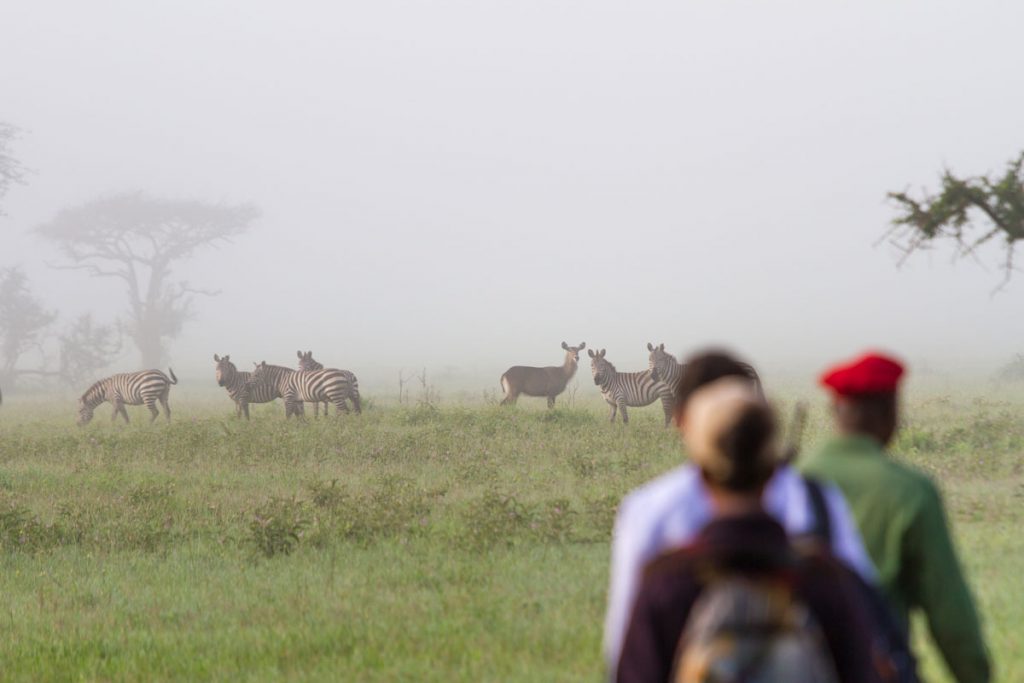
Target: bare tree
x=139 y=239
x=12 y=172
x=86 y=347
x=23 y=322
x=970 y=212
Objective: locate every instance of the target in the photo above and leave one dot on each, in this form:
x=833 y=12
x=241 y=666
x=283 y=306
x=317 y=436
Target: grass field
x=451 y=542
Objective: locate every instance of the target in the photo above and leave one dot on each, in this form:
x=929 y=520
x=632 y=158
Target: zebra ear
x=582 y=346
x=590 y=352
x=228 y=357
x=216 y=358
x=603 y=351
x=299 y=354
x=650 y=346
x=662 y=347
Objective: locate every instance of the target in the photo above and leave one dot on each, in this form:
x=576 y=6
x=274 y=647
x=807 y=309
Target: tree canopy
x=139 y=239
x=969 y=212
x=12 y=172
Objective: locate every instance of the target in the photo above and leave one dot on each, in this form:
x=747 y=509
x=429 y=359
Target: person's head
x=705 y=367
x=730 y=435
x=865 y=396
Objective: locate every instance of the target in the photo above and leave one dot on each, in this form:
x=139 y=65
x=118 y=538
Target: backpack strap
x=821 y=527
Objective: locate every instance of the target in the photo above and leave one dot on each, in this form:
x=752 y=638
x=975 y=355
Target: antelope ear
x=565 y=346
x=650 y=346
x=582 y=346
x=216 y=358
x=590 y=352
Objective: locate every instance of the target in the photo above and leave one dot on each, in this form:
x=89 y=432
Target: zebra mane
x=92 y=391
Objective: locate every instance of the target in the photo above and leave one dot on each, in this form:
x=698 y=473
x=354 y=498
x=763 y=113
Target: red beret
x=870 y=374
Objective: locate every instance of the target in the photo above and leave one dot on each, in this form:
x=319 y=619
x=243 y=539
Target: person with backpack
x=669 y=511
x=741 y=603
x=899 y=512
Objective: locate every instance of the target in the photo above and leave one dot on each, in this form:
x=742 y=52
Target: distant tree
x=86 y=347
x=138 y=239
x=23 y=322
x=970 y=212
x=11 y=170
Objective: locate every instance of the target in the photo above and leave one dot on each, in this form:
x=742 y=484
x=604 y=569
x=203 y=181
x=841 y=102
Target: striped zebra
x=145 y=387
x=306 y=362
x=241 y=388
x=633 y=389
x=312 y=386
x=665 y=364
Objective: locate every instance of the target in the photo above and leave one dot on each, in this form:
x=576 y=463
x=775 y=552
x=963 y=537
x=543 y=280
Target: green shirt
x=902 y=520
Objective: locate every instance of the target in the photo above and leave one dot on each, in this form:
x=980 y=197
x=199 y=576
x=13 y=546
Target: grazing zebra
x=306 y=362
x=311 y=386
x=633 y=389
x=145 y=387
x=241 y=388
x=665 y=364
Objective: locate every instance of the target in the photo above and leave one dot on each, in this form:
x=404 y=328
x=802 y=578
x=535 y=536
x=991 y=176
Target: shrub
x=277 y=526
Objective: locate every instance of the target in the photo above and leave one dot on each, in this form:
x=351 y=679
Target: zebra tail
x=174 y=380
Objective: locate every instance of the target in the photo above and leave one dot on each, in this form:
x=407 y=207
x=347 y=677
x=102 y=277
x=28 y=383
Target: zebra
x=145 y=387
x=240 y=386
x=633 y=389
x=668 y=368
x=311 y=386
x=306 y=362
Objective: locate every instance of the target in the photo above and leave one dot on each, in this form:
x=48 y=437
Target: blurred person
x=668 y=512
x=899 y=512
x=740 y=602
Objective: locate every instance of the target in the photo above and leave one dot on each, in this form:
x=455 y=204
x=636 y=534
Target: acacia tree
x=11 y=170
x=139 y=239
x=969 y=212
x=23 y=321
x=85 y=347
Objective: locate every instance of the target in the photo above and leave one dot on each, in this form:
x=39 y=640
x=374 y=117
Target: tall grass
x=436 y=542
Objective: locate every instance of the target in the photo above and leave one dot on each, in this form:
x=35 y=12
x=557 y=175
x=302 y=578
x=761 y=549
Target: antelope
x=549 y=381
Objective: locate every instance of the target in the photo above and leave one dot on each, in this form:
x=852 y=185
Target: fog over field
x=467 y=184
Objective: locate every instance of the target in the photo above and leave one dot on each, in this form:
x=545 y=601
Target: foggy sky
x=470 y=183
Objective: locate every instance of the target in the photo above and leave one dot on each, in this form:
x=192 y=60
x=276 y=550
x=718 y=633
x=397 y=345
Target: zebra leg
x=154 y=412
x=342 y=403
x=167 y=408
x=244 y=409
x=614 y=410
x=326 y=404
x=120 y=410
x=316 y=410
x=356 y=402
x=622 y=409
x=668 y=403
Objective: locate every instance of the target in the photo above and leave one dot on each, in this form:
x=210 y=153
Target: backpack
x=894 y=661
x=744 y=630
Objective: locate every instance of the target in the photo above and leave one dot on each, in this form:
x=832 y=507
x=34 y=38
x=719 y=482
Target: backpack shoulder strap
x=821 y=527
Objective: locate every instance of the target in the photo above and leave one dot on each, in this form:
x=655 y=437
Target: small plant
x=276 y=527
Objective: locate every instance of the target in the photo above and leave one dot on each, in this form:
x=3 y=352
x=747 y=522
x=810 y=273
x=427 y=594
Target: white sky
x=469 y=183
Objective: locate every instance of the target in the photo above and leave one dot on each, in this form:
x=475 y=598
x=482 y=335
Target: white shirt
x=668 y=512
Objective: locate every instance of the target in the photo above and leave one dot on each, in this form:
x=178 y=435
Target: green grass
x=464 y=542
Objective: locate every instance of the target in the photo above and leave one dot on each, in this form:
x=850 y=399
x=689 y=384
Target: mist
x=462 y=186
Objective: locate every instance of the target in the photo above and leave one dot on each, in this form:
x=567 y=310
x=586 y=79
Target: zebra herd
x=313 y=383
x=621 y=390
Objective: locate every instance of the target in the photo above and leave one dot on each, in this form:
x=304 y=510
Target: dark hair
x=745 y=444
x=704 y=368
